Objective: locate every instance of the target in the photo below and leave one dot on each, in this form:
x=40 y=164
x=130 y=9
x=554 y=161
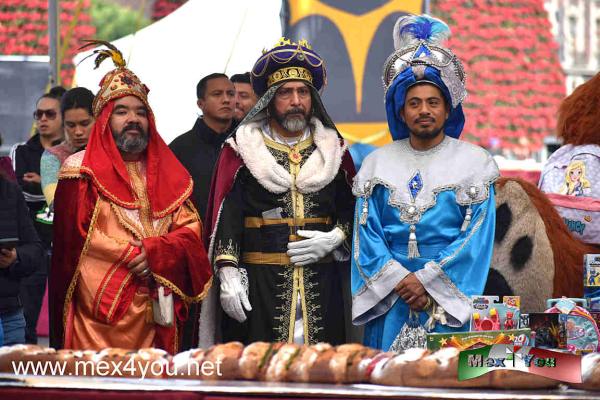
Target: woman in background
x=78 y=119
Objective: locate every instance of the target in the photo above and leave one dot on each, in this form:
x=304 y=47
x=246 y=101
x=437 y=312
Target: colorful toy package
x=489 y=315
x=591 y=280
x=473 y=340
x=596 y=316
x=547 y=330
x=580 y=327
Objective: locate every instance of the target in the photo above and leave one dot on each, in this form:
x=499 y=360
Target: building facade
x=576 y=29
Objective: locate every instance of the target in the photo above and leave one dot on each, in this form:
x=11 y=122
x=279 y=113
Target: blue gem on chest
x=415 y=185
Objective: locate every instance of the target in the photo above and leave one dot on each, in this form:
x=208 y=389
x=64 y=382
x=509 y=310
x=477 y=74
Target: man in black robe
x=280 y=212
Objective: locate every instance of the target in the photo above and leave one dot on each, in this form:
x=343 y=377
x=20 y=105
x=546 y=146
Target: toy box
x=582 y=333
x=547 y=330
x=489 y=315
x=472 y=340
x=591 y=280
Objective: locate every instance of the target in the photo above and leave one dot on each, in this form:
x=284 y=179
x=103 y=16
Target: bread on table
x=289 y=362
x=358 y=363
x=225 y=359
x=9 y=355
x=251 y=359
x=511 y=379
x=348 y=356
x=320 y=370
x=391 y=371
x=77 y=362
x=440 y=370
x=281 y=361
x=590 y=373
x=153 y=361
x=112 y=361
x=188 y=364
x=299 y=370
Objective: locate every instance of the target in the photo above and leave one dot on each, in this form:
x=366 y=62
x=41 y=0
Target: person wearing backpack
x=571 y=176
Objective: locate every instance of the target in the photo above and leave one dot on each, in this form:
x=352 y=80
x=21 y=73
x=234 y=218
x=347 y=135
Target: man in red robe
x=128 y=257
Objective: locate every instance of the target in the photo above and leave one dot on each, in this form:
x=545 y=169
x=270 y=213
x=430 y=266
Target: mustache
x=133 y=127
x=425 y=119
x=295 y=110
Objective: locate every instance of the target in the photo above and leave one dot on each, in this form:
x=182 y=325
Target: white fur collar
x=318 y=171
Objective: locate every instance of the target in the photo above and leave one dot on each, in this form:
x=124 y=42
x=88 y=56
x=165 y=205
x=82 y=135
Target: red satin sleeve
x=74 y=204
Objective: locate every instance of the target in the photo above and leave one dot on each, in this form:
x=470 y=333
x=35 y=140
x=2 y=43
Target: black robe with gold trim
x=258 y=218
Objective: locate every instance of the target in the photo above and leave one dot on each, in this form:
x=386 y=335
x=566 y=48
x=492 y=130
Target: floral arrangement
x=514 y=78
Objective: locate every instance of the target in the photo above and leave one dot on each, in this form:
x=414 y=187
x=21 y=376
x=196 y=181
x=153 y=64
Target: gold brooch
x=295 y=156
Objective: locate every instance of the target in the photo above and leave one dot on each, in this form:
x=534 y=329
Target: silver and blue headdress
x=420 y=57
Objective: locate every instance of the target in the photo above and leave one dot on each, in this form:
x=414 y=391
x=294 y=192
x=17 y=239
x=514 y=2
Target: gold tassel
x=413 y=248
x=467 y=220
x=149 y=312
x=365 y=212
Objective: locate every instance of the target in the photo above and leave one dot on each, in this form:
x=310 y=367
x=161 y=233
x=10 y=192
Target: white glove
x=233 y=293
x=318 y=245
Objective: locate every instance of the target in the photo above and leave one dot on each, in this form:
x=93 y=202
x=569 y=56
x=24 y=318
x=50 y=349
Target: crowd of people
x=29 y=178
x=254 y=225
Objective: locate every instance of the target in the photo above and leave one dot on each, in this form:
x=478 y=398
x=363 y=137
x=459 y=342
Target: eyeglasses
x=38 y=114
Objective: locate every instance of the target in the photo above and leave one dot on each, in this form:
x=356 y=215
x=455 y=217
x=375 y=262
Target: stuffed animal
x=535 y=255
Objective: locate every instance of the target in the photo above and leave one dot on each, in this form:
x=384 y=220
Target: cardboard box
x=488 y=315
x=548 y=330
x=591 y=275
x=472 y=340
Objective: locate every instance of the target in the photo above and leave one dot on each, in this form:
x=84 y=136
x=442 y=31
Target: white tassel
x=365 y=212
x=467 y=220
x=436 y=314
x=413 y=249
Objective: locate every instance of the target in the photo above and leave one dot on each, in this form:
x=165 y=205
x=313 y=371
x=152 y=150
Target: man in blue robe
x=425 y=214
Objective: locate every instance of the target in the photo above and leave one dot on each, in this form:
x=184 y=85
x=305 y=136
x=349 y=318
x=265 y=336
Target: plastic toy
x=490 y=323
x=509 y=323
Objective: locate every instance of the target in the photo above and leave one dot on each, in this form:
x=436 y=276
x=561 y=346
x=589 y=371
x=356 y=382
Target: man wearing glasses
x=280 y=211
x=26 y=163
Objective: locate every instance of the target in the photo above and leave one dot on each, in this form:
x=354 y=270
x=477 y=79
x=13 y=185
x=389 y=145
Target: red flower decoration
x=514 y=79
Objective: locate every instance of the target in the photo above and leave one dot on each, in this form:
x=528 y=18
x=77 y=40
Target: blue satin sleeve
x=460 y=270
x=375 y=271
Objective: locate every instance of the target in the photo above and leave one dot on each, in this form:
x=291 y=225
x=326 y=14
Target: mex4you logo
x=564 y=367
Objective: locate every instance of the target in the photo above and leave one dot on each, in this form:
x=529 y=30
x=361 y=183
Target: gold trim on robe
x=106 y=305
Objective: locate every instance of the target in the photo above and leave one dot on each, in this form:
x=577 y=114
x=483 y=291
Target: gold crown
x=119 y=83
x=283 y=41
x=289 y=73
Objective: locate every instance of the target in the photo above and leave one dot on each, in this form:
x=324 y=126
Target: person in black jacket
x=199 y=148
x=26 y=163
x=16 y=262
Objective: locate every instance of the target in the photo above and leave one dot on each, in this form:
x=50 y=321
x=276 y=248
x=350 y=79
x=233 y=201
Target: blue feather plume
x=411 y=29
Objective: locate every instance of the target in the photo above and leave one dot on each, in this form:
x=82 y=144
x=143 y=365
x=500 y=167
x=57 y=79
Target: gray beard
x=294 y=124
x=132 y=145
